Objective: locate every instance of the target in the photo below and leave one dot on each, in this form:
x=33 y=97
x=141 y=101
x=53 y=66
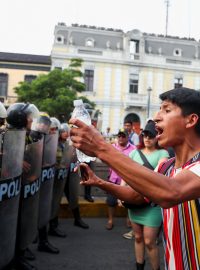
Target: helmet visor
x=41 y=124
x=33 y=111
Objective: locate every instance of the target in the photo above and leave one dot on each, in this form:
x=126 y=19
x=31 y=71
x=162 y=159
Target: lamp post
x=179 y=81
x=149 y=89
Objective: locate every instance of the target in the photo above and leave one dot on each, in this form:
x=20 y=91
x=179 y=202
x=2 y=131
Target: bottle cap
x=78 y=102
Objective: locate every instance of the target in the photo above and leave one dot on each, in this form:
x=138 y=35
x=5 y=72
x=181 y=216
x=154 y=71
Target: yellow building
x=126 y=72
x=15 y=68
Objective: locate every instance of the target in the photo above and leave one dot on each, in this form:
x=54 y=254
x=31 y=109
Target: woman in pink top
x=125 y=147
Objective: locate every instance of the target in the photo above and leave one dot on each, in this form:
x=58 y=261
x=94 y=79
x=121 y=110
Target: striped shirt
x=181 y=227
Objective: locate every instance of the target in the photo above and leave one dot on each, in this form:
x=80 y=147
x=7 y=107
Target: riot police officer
x=21 y=116
x=41 y=127
x=71 y=188
x=62 y=166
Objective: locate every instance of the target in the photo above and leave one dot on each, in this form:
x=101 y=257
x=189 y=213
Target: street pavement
x=91 y=249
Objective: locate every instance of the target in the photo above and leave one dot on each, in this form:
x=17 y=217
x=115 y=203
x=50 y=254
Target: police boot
x=44 y=244
x=140 y=266
x=22 y=263
x=88 y=196
x=54 y=229
x=77 y=219
x=28 y=254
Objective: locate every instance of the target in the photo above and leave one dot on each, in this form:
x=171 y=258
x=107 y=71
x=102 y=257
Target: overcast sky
x=27 y=26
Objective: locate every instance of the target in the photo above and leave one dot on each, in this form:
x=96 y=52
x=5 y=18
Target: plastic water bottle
x=82 y=114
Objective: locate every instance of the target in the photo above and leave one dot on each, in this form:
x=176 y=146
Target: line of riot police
x=34 y=170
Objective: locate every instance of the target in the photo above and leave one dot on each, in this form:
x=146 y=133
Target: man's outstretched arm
x=158 y=188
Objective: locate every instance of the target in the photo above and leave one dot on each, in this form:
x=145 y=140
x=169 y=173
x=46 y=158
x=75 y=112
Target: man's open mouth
x=159 y=130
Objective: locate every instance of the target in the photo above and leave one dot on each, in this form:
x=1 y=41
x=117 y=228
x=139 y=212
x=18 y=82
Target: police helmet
x=42 y=123
x=55 y=123
x=64 y=128
x=18 y=113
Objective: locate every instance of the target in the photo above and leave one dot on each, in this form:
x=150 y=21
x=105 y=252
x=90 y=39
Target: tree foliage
x=54 y=92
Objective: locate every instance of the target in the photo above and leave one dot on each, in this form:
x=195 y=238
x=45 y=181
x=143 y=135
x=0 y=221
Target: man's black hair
x=187 y=99
x=128 y=122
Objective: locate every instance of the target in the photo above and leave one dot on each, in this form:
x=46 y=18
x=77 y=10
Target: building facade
x=125 y=72
x=16 y=68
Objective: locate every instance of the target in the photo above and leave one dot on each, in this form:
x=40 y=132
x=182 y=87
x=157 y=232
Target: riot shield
x=47 y=178
x=60 y=178
x=29 y=199
x=12 y=153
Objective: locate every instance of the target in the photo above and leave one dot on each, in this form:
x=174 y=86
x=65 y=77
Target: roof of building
x=25 y=58
x=101 y=38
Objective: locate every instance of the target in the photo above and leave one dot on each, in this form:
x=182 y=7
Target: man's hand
x=86 y=138
x=88 y=178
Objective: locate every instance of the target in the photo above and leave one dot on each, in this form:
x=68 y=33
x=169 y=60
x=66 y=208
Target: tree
x=54 y=92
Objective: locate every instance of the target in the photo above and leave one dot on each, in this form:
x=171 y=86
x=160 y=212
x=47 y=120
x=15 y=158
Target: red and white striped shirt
x=181 y=227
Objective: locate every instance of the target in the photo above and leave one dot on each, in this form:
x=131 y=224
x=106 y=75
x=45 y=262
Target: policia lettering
x=10 y=188
x=48 y=173
x=31 y=189
x=61 y=174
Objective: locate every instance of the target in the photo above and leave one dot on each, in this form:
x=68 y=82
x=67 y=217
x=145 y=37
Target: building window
x=89 y=80
x=29 y=78
x=3 y=84
x=133 y=83
x=134 y=46
x=178 y=82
